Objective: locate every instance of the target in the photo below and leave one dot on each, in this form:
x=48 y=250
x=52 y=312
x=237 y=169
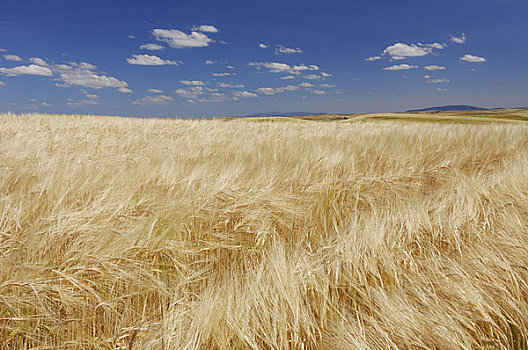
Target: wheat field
x=121 y=233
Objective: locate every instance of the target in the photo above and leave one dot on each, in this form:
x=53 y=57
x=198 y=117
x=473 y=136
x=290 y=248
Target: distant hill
x=449 y=108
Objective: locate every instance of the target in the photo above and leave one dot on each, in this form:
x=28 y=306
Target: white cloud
x=438 y=81
x=151 y=47
x=327 y=86
x=471 y=58
x=397 y=58
x=45 y=104
x=205 y=28
x=150 y=60
x=277 y=67
x=155 y=91
x=13 y=58
x=373 y=58
x=459 y=40
x=153 y=100
x=400 y=67
x=233 y=86
x=190 y=93
x=221 y=74
x=81 y=103
x=3 y=50
x=427 y=76
x=434 y=67
x=401 y=51
x=210 y=62
x=192 y=82
x=131 y=37
x=244 y=94
x=263 y=46
x=318 y=92
x=230 y=67
x=435 y=46
x=178 y=39
x=83 y=65
x=273 y=91
x=306 y=85
x=83 y=74
x=286 y=50
x=326 y=75
x=442 y=89
x=288 y=77
x=312 y=77
x=32 y=69
x=124 y=90
x=38 y=61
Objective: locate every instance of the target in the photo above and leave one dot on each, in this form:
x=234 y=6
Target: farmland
x=364 y=232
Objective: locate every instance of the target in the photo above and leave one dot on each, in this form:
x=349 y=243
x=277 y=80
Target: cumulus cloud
x=179 y=40
x=434 y=67
x=32 y=69
x=83 y=74
x=151 y=47
x=153 y=100
x=404 y=50
x=190 y=93
x=81 y=103
x=273 y=91
x=473 y=59
x=326 y=75
x=155 y=91
x=192 y=82
x=459 y=39
x=288 y=77
x=373 y=58
x=400 y=67
x=286 y=50
x=244 y=94
x=221 y=74
x=13 y=58
x=435 y=45
x=313 y=77
x=327 y=86
x=263 y=46
x=438 y=81
x=124 y=90
x=232 y=86
x=277 y=67
x=38 y=61
x=210 y=62
x=205 y=28
x=150 y=60
x=318 y=92
x=306 y=85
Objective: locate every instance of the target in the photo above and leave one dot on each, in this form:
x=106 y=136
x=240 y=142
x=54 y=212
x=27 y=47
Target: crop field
x=120 y=233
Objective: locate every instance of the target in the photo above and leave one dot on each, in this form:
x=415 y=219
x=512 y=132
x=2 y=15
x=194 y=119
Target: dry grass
x=154 y=234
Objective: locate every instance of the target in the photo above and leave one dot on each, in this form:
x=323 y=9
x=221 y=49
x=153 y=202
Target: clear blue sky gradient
x=87 y=65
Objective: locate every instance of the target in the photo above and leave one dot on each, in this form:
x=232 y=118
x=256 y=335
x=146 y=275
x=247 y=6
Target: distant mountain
x=278 y=114
x=449 y=108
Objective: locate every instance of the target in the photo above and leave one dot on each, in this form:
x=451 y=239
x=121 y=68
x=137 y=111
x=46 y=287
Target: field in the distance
x=208 y=234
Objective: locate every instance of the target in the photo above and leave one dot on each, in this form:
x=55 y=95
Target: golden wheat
x=158 y=234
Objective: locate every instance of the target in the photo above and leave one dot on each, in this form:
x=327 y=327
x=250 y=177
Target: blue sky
x=217 y=58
